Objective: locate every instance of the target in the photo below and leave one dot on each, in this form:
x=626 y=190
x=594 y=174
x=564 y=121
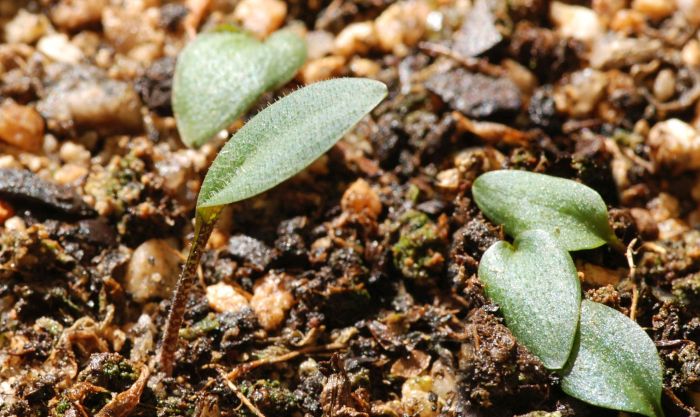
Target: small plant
x=221 y=74
x=277 y=143
x=603 y=357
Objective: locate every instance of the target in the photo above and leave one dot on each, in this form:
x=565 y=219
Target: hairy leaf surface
x=286 y=137
x=616 y=364
x=534 y=281
x=221 y=74
x=520 y=201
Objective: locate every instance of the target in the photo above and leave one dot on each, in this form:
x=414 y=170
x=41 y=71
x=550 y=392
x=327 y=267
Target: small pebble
x=9 y=161
x=74 y=14
x=262 y=17
x=6 y=211
x=402 y=25
x=322 y=69
x=628 y=22
x=606 y=9
x=674 y=144
x=134 y=31
x=15 y=224
x=58 y=48
x=645 y=223
x=654 y=9
x=21 y=126
x=356 y=38
x=581 y=94
x=26 y=27
x=70 y=174
x=362 y=67
x=665 y=84
x=576 y=22
x=360 y=198
x=664 y=207
x=690 y=9
x=521 y=76
x=690 y=54
x=418 y=398
x=448 y=179
x=152 y=271
x=225 y=298
x=671 y=228
x=319 y=43
x=271 y=301
x=74 y=153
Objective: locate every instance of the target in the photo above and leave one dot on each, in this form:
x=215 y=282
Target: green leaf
x=521 y=201
x=286 y=137
x=288 y=52
x=221 y=74
x=535 y=283
x=617 y=365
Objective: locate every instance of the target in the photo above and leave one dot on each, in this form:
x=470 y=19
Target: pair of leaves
x=615 y=364
x=286 y=137
x=611 y=360
x=221 y=74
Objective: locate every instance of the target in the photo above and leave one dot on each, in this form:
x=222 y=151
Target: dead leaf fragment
x=413 y=365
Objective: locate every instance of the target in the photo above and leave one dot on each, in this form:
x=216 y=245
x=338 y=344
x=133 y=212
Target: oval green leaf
x=534 y=281
x=219 y=75
x=616 y=364
x=521 y=201
x=286 y=137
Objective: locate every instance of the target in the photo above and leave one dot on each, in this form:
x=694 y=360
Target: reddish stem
x=205 y=219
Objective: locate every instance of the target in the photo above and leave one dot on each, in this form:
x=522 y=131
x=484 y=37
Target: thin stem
x=617 y=244
x=205 y=219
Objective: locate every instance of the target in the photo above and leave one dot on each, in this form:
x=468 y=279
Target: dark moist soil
x=350 y=290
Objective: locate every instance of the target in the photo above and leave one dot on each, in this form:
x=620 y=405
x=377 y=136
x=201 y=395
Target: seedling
x=277 y=143
x=603 y=357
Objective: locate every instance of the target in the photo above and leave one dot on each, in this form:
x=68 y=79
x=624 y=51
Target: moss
x=270 y=396
x=121 y=370
x=110 y=371
x=418 y=252
x=175 y=407
x=208 y=324
x=62 y=407
x=413 y=193
x=687 y=290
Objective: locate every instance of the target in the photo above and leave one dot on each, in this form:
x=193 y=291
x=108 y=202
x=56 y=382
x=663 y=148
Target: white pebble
x=59 y=48
x=356 y=38
x=271 y=301
x=402 y=25
x=223 y=297
x=262 y=17
x=576 y=22
x=675 y=144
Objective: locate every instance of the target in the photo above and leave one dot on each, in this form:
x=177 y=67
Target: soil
x=351 y=289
